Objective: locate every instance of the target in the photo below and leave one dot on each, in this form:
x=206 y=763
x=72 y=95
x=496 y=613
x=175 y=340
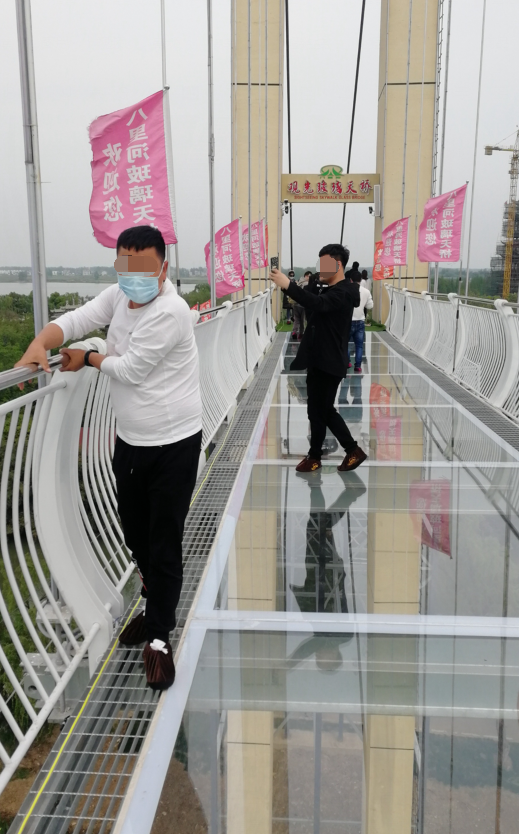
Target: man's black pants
x=154 y=489
x=321 y=390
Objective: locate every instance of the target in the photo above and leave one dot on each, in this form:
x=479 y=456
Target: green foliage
x=201 y=293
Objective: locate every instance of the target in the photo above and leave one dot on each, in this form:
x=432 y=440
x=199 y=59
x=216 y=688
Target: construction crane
x=510 y=229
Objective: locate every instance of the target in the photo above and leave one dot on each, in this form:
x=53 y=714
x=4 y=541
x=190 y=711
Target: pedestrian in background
x=351 y=274
x=358 y=323
x=323 y=353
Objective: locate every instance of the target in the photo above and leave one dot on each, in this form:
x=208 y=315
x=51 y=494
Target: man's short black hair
x=364 y=272
x=356 y=276
x=337 y=251
x=308 y=272
x=142 y=237
x=355 y=265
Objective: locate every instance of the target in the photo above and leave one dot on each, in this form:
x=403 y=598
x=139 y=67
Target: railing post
x=427 y=298
x=453 y=298
x=390 y=293
x=407 y=295
x=508 y=379
x=246 y=301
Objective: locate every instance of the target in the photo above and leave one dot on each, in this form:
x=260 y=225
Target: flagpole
x=476 y=137
x=168 y=138
x=32 y=164
x=249 y=138
x=211 y=147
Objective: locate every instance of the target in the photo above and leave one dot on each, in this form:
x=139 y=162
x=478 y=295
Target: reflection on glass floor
x=338 y=720
x=322 y=732
x=378 y=540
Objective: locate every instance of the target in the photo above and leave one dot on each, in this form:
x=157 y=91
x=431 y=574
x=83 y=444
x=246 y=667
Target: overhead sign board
x=330 y=185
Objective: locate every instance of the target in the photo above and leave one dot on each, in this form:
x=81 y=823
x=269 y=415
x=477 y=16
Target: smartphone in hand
x=274 y=262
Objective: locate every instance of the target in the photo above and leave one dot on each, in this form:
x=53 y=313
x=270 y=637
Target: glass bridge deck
x=352 y=660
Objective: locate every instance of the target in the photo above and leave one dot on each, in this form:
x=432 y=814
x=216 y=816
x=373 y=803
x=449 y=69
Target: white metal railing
x=474 y=341
x=64 y=561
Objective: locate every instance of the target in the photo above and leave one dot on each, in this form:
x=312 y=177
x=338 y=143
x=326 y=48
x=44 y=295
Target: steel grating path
x=82 y=784
x=497 y=422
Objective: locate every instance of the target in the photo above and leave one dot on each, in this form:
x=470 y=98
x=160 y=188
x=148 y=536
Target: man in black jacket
x=323 y=352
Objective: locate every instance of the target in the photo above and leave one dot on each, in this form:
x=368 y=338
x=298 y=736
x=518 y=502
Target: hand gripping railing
x=475 y=341
x=64 y=560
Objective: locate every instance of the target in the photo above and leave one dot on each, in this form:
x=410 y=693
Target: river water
x=84 y=290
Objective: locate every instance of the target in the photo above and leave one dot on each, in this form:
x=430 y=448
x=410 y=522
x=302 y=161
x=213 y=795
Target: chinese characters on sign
x=394 y=243
x=228 y=259
x=130 y=172
x=429 y=505
x=389 y=438
x=381 y=273
x=439 y=235
x=258 y=247
x=330 y=185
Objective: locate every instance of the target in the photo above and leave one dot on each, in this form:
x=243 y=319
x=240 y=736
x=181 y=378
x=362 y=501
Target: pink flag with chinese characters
x=130 y=172
x=380 y=272
x=258 y=255
x=389 y=438
x=439 y=235
x=228 y=259
x=429 y=505
x=394 y=243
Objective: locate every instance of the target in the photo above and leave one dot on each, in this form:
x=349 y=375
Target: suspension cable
x=266 y=135
x=419 y=145
x=289 y=125
x=475 y=144
x=405 y=131
x=355 y=89
x=249 y=23
x=444 y=120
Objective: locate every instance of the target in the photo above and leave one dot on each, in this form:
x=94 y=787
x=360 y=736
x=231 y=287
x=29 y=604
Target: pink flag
x=258 y=254
x=228 y=259
x=380 y=272
x=394 y=243
x=130 y=172
x=439 y=235
x=389 y=438
x=429 y=505
x=380 y=402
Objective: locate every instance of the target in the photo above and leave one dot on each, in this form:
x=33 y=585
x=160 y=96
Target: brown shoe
x=308 y=464
x=135 y=632
x=158 y=662
x=352 y=460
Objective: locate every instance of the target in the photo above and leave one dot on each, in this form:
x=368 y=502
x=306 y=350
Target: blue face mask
x=139 y=288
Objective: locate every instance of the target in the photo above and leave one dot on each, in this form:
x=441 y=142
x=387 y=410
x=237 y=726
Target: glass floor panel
x=304 y=733
x=403 y=433
x=352 y=661
x=416 y=539
x=382 y=389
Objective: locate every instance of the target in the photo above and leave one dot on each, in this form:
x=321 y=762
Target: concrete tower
x=406 y=117
x=266 y=116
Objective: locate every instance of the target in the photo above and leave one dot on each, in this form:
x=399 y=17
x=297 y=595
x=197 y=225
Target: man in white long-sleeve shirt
x=152 y=362
x=358 y=322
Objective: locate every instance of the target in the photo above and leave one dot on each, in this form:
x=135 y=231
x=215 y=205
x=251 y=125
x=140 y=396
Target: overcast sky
x=96 y=56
